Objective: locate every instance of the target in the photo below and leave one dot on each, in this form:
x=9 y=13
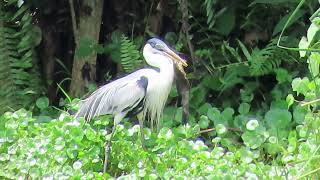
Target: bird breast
x=158 y=89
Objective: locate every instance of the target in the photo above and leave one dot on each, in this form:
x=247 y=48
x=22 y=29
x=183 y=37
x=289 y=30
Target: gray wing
x=121 y=96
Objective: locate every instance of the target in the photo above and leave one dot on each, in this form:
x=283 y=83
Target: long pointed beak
x=175 y=57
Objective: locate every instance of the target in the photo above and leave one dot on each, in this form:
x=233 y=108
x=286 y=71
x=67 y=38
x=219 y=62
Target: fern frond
x=263 y=61
x=19 y=73
x=130 y=56
x=209 y=5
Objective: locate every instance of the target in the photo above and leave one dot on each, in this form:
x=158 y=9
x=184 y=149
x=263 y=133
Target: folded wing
x=124 y=96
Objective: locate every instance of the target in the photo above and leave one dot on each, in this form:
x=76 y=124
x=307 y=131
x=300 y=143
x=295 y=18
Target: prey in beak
x=180 y=63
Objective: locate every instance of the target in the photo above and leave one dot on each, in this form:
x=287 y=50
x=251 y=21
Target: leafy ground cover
x=66 y=148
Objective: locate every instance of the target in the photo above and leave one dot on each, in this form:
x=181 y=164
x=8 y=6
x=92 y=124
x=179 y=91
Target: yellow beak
x=175 y=57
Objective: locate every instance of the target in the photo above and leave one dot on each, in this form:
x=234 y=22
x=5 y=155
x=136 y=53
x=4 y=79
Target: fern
x=260 y=61
x=211 y=18
x=19 y=74
x=263 y=61
x=130 y=56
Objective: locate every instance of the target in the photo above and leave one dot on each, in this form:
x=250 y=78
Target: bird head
x=160 y=47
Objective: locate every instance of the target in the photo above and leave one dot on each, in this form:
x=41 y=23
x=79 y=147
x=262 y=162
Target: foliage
x=253 y=106
x=65 y=148
x=19 y=73
x=130 y=56
x=263 y=61
x=247 y=66
x=209 y=5
x=121 y=49
x=124 y=51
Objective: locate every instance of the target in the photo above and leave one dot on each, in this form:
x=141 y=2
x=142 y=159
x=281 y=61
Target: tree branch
x=74 y=22
x=310 y=102
x=186 y=26
x=213 y=129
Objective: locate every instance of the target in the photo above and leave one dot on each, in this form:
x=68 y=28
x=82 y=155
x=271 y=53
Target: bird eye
x=159 y=46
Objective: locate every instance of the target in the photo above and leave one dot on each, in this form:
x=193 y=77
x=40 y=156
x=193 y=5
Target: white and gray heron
x=143 y=92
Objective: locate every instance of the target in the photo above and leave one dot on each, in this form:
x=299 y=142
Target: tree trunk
x=47 y=56
x=90 y=14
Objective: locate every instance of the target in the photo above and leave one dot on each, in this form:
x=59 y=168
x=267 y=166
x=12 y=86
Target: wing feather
x=120 y=96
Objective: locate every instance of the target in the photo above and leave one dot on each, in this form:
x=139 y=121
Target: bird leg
x=107 y=150
x=140 y=118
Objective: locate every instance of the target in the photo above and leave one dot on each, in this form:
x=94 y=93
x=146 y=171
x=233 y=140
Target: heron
x=142 y=93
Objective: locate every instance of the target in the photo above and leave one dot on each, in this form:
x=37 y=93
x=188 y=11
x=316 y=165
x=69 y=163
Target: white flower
x=221 y=129
x=133 y=130
x=288 y=158
x=169 y=134
x=77 y=165
x=251 y=176
x=62 y=116
x=73 y=123
x=140 y=164
x=252 y=124
x=272 y=139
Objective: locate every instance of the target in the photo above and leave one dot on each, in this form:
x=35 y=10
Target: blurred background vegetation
x=230 y=46
x=248 y=96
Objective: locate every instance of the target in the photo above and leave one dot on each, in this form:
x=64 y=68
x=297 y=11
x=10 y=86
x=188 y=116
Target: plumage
x=113 y=98
x=144 y=91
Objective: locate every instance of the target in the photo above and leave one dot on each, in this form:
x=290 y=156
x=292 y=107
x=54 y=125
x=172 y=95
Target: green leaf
x=246 y=96
x=244 y=108
x=245 y=154
x=213 y=114
x=43 y=119
x=282 y=75
x=227 y=115
x=116 y=37
x=244 y=50
x=240 y=121
x=36 y=35
x=278 y=118
x=90 y=134
x=42 y=102
x=299 y=114
x=19 y=12
x=292 y=139
x=284 y=19
x=253 y=139
x=204 y=122
x=225 y=22
x=314 y=62
x=197 y=96
x=312 y=30
x=300 y=85
x=290 y=100
x=273 y=148
x=230 y=79
x=204 y=108
x=303 y=44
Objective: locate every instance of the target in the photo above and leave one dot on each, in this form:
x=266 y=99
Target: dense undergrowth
x=282 y=143
x=275 y=147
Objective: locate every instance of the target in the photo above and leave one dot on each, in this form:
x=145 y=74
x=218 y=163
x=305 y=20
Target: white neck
x=155 y=59
x=159 y=85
